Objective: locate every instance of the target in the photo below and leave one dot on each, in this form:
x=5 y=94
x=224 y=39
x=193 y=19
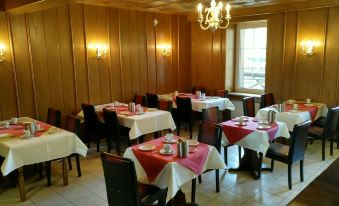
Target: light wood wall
x=289 y=74
x=48 y=62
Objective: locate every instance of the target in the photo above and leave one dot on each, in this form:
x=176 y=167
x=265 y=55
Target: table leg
x=21 y=184
x=65 y=171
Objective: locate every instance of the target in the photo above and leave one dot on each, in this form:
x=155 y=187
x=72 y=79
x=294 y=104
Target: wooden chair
x=165 y=105
x=152 y=100
x=328 y=132
x=113 y=130
x=249 y=106
x=139 y=99
x=54 y=117
x=122 y=186
x=93 y=128
x=184 y=113
x=292 y=153
x=266 y=100
x=209 y=133
x=198 y=88
x=221 y=93
x=73 y=125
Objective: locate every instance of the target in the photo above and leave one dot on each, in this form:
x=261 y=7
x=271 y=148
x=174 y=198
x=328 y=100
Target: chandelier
x=214 y=18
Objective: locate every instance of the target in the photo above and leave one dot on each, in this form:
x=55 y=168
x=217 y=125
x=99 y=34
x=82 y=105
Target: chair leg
x=77 y=159
x=331 y=147
x=194 y=182
x=69 y=162
x=98 y=144
x=302 y=170
x=225 y=155
x=199 y=179
x=290 y=176
x=118 y=149
x=239 y=153
x=259 y=166
x=48 y=172
x=40 y=168
x=217 y=183
x=272 y=165
x=323 y=149
x=162 y=199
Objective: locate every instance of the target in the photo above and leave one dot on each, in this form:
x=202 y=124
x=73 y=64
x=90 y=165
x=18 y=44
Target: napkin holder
x=182 y=148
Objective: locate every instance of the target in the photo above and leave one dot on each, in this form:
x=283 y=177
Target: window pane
x=252 y=57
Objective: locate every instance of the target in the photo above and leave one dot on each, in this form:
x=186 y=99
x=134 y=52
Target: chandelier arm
x=204 y=27
x=224 y=27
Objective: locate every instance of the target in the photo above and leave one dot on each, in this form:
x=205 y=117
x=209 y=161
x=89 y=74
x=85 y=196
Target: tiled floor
x=237 y=188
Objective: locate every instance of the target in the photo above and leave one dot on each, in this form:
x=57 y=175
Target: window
x=251 y=56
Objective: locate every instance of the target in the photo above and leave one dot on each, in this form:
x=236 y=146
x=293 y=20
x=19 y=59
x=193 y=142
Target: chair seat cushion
x=278 y=151
x=315 y=132
x=320 y=122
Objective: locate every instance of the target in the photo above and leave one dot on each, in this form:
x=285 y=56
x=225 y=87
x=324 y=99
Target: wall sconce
x=2 y=52
x=100 y=50
x=307 y=47
x=166 y=49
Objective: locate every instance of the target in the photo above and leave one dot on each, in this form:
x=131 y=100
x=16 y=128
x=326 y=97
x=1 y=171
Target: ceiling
x=168 y=6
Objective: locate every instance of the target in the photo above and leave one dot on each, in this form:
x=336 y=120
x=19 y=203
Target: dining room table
x=18 y=148
x=149 y=121
x=254 y=137
x=169 y=170
x=198 y=103
x=292 y=115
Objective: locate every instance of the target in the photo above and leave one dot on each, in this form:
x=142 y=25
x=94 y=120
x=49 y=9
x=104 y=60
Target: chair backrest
x=266 y=100
x=221 y=93
x=140 y=99
x=73 y=124
x=249 y=106
x=121 y=180
x=111 y=123
x=210 y=133
x=152 y=100
x=54 y=117
x=298 y=141
x=165 y=105
x=331 y=122
x=198 y=88
x=211 y=114
x=91 y=119
x=184 y=108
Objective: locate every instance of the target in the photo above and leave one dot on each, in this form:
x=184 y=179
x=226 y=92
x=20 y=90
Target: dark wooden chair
x=54 y=117
x=152 y=100
x=249 y=106
x=292 y=153
x=198 y=88
x=113 y=130
x=140 y=99
x=184 y=113
x=94 y=129
x=221 y=93
x=165 y=105
x=209 y=133
x=266 y=100
x=122 y=186
x=73 y=125
x=327 y=132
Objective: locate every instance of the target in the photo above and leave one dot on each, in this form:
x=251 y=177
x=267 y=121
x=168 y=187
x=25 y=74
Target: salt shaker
x=179 y=149
x=185 y=148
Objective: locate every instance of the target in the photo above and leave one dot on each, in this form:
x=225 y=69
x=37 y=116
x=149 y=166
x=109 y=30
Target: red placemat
x=153 y=162
x=302 y=107
x=189 y=95
x=235 y=133
x=18 y=129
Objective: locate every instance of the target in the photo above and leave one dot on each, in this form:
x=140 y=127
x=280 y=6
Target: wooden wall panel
x=151 y=53
x=8 y=101
x=142 y=51
x=309 y=68
x=174 y=78
x=184 y=70
x=217 y=66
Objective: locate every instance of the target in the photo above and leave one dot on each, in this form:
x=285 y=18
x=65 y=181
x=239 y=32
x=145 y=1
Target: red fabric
x=118 y=110
x=18 y=130
x=235 y=133
x=192 y=96
x=311 y=109
x=153 y=162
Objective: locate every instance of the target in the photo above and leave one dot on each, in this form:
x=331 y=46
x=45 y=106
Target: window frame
x=242 y=25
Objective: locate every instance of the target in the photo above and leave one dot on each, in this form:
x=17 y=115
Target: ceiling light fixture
x=214 y=18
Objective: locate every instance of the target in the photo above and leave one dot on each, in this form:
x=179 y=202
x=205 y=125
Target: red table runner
x=18 y=129
x=302 y=107
x=189 y=95
x=235 y=133
x=153 y=162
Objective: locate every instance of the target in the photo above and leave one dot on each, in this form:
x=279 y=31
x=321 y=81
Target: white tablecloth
x=149 y=122
x=174 y=175
x=198 y=105
x=293 y=118
x=258 y=140
x=55 y=143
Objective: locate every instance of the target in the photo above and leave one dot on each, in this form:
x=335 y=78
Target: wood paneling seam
x=296 y=55
x=86 y=55
x=283 y=60
x=324 y=54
